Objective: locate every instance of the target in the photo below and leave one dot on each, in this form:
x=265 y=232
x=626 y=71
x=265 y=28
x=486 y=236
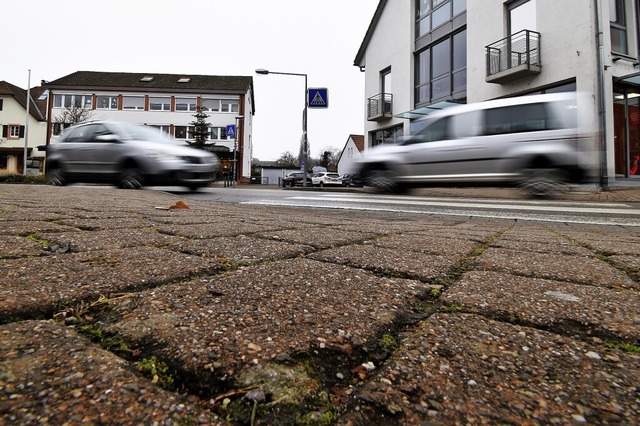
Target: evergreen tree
x=200 y=132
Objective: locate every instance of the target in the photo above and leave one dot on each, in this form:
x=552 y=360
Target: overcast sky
x=210 y=37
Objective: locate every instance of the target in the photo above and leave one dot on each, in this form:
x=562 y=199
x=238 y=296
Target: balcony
x=380 y=107
x=514 y=57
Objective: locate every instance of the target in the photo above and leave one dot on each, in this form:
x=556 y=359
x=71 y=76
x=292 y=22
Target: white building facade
x=167 y=102
x=20 y=133
x=420 y=55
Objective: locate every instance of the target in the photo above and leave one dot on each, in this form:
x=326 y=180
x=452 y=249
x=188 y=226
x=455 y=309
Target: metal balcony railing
x=514 y=57
x=380 y=106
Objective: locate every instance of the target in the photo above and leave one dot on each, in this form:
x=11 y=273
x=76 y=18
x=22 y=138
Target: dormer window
x=146 y=79
x=184 y=80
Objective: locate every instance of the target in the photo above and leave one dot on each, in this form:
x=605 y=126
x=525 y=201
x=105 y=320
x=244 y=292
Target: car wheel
x=130 y=178
x=321 y=184
x=543 y=182
x=384 y=180
x=56 y=177
x=292 y=183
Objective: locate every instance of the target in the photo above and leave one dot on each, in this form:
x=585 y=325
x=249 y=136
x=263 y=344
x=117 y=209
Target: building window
x=218 y=133
x=430 y=14
x=441 y=70
x=185 y=104
x=69 y=101
x=617 y=16
x=133 y=102
x=183 y=132
x=106 y=102
x=389 y=136
x=228 y=105
x=161 y=127
x=160 y=104
x=211 y=104
x=58 y=128
x=522 y=16
x=14 y=131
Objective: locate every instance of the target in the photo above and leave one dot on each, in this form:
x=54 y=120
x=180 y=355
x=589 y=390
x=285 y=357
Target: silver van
x=532 y=141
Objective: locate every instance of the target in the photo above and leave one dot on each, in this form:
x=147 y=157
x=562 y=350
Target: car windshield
x=143 y=133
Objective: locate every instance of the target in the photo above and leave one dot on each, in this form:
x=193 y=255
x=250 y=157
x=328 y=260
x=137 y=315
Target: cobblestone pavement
x=115 y=309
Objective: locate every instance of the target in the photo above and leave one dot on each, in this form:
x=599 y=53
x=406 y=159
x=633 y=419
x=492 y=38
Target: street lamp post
x=305 y=141
x=234 y=164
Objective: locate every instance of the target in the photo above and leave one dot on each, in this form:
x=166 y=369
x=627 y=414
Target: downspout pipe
x=602 y=121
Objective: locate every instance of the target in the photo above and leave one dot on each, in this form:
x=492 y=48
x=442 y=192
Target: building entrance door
x=626 y=121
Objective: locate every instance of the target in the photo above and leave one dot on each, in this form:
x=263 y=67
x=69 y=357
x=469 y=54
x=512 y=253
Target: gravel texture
x=115 y=310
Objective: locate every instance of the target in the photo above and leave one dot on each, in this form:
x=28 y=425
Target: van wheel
x=384 y=180
x=56 y=177
x=544 y=183
x=130 y=178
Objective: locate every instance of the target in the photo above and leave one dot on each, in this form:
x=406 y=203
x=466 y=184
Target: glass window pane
x=423 y=27
x=132 y=102
x=523 y=17
x=441 y=87
x=459 y=6
x=180 y=132
x=423 y=93
x=441 y=15
x=460 y=50
x=423 y=7
x=57 y=101
x=211 y=104
x=460 y=81
x=441 y=58
x=619 y=40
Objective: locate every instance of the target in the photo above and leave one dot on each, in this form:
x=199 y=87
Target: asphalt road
x=560 y=211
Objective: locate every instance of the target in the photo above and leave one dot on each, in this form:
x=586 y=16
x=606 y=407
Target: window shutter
x=1 y=104
x=5 y=130
x=21 y=131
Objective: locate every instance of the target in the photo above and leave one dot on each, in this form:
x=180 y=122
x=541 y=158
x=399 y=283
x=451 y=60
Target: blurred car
x=351 y=179
x=296 y=179
x=326 y=178
x=533 y=141
x=127 y=155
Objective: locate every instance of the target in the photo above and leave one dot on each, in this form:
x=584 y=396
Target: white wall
x=568 y=46
x=349 y=157
x=391 y=45
x=13 y=113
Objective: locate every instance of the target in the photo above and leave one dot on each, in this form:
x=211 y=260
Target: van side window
x=435 y=131
x=518 y=119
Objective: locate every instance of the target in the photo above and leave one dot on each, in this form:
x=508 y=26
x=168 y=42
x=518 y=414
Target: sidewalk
x=115 y=309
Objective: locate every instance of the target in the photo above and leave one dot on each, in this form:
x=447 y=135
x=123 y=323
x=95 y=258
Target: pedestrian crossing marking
x=318 y=100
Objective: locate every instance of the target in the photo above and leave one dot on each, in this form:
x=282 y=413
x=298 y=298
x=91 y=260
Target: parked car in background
x=326 y=178
x=296 y=179
x=532 y=141
x=351 y=179
x=127 y=155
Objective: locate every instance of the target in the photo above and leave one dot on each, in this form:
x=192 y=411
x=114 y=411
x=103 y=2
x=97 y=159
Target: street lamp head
x=239 y=117
x=262 y=71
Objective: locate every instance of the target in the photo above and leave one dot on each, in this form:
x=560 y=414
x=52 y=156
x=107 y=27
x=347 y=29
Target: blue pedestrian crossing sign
x=231 y=130
x=318 y=97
